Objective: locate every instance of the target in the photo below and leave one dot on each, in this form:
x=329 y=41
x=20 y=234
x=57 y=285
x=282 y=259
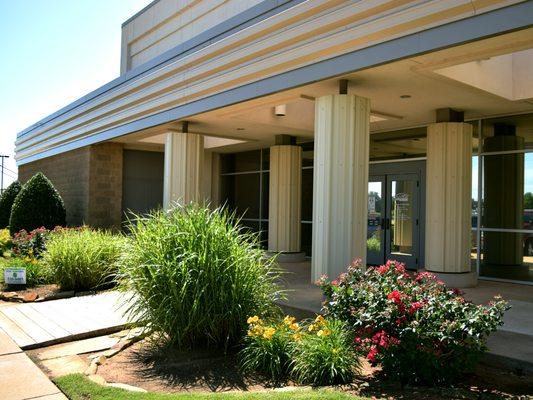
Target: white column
x=449 y=202
x=184 y=154
x=340 y=198
x=285 y=193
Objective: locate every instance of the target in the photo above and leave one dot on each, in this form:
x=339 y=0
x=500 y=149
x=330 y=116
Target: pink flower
x=382 y=269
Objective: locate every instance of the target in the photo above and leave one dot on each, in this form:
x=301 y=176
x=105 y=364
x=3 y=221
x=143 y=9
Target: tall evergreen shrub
x=6 y=202
x=37 y=205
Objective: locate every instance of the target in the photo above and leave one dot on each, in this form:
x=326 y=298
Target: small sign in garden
x=15 y=276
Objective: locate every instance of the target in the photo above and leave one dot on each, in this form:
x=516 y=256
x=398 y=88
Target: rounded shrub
x=83 y=259
x=197 y=276
x=415 y=327
x=38 y=204
x=6 y=203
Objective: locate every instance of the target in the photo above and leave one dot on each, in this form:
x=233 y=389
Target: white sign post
x=15 y=276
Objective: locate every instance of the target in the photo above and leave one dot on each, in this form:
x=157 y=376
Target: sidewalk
x=20 y=378
x=35 y=325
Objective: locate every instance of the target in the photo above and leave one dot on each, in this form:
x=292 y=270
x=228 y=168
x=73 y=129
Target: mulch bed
x=168 y=370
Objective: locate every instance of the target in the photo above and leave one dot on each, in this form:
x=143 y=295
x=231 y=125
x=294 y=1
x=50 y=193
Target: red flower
x=395 y=296
x=401 y=320
x=371 y=356
x=417 y=305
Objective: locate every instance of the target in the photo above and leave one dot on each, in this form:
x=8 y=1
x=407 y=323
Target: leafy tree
x=528 y=200
x=6 y=202
x=37 y=205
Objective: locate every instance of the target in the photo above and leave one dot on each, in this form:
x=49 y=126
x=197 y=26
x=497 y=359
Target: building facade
x=337 y=129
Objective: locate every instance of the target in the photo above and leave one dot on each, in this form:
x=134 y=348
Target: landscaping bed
x=172 y=371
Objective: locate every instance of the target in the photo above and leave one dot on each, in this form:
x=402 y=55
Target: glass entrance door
x=393 y=220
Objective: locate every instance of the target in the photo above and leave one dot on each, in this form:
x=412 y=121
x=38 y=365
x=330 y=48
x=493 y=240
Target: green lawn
x=79 y=387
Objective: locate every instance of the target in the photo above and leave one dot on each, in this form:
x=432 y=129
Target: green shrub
x=38 y=204
x=6 y=202
x=325 y=354
x=83 y=259
x=197 y=276
x=268 y=347
x=36 y=272
x=373 y=243
x=416 y=328
x=5 y=241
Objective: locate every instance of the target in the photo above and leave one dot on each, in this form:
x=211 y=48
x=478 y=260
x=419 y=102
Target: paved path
x=34 y=325
x=21 y=379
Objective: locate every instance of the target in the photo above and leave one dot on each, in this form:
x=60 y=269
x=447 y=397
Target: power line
x=3 y=157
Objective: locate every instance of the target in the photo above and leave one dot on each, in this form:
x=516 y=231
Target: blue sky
x=53 y=52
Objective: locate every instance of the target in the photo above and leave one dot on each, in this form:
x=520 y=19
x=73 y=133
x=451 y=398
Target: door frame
x=409 y=167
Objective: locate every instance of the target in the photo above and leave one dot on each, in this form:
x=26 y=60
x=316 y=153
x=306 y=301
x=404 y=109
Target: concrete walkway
x=511 y=346
x=35 y=325
x=20 y=378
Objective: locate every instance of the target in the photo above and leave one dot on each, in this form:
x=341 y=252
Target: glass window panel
x=374 y=242
x=241 y=162
x=245 y=196
x=507 y=255
x=307 y=195
x=401 y=232
x=474 y=191
x=508 y=191
x=306 y=238
x=265 y=195
x=266 y=159
x=523 y=129
x=264 y=234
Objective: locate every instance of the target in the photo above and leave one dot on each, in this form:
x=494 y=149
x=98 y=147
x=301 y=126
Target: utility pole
x=2 y=175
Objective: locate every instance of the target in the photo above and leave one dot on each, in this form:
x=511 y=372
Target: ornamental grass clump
x=415 y=327
x=197 y=276
x=83 y=259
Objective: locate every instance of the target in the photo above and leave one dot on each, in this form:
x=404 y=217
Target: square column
x=285 y=196
x=340 y=198
x=449 y=202
x=184 y=161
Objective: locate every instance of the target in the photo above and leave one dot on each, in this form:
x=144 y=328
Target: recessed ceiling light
x=240 y=129
x=405 y=96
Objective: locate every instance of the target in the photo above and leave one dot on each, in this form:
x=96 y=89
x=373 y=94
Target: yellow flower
x=294 y=326
x=255 y=331
x=335 y=351
x=311 y=328
x=323 y=332
x=288 y=320
x=253 y=320
x=268 y=333
x=320 y=320
x=297 y=337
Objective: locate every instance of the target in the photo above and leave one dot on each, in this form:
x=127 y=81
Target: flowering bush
x=30 y=244
x=419 y=330
x=318 y=352
x=268 y=347
x=325 y=355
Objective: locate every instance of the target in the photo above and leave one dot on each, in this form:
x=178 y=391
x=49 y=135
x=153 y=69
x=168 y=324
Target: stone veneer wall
x=89 y=181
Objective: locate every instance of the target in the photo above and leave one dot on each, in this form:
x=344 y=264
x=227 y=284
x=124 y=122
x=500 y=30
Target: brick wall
x=69 y=172
x=88 y=179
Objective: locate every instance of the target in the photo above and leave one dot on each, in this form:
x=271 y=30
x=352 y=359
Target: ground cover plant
x=197 y=276
x=6 y=203
x=5 y=242
x=415 y=327
x=318 y=352
x=83 y=259
x=38 y=204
